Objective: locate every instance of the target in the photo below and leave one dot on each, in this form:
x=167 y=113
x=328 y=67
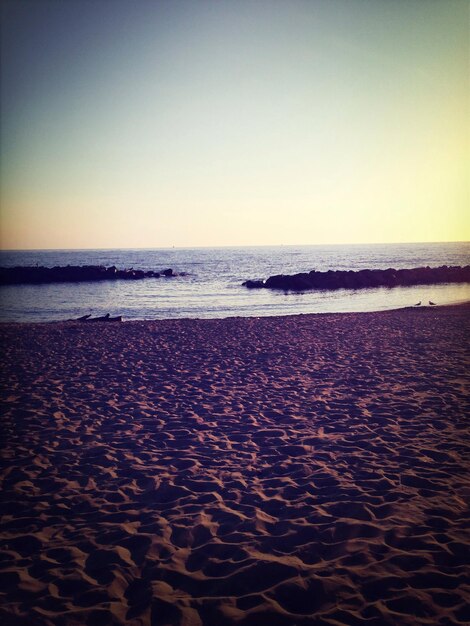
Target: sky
x=209 y=123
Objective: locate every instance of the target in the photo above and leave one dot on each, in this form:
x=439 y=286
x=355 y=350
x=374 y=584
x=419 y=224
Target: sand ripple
x=308 y=470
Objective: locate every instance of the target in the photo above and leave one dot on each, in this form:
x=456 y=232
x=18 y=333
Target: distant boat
x=432 y=303
x=418 y=303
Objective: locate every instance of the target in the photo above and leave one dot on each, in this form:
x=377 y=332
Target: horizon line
x=209 y=247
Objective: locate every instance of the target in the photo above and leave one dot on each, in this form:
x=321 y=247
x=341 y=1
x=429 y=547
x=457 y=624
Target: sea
x=212 y=284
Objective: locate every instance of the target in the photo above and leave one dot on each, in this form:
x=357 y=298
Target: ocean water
x=213 y=284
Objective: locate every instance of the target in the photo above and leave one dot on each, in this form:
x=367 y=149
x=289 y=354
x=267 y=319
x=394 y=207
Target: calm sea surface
x=213 y=287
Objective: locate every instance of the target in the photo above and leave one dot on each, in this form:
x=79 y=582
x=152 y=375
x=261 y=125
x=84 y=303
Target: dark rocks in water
x=297 y=282
x=105 y=318
x=102 y=318
x=363 y=278
x=73 y=274
x=253 y=284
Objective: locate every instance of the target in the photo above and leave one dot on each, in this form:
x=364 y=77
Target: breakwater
x=74 y=273
x=362 y=279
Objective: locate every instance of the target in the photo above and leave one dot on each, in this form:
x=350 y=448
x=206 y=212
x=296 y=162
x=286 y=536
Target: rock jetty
x=364 y=278
x=74 y=274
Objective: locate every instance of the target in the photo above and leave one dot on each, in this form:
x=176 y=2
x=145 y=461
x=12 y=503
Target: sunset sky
x=204 y=123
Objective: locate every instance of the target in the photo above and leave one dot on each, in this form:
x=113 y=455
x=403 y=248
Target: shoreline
x=306 y=470
x=425 y=307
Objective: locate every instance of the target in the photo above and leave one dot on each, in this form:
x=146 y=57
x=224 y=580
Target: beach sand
x=303 y=470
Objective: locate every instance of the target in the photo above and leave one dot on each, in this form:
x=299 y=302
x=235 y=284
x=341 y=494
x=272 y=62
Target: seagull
x=418 y=303
x=432 y=303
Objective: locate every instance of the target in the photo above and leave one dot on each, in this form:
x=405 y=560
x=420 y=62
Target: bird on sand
x=432 y=303
x=418 y=303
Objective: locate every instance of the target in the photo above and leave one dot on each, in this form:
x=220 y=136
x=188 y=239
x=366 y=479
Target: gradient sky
x=203 y=123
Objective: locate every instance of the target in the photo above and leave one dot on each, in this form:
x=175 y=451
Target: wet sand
x=304 y=470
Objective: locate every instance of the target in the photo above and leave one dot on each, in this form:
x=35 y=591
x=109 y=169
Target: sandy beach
x=304 y=470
